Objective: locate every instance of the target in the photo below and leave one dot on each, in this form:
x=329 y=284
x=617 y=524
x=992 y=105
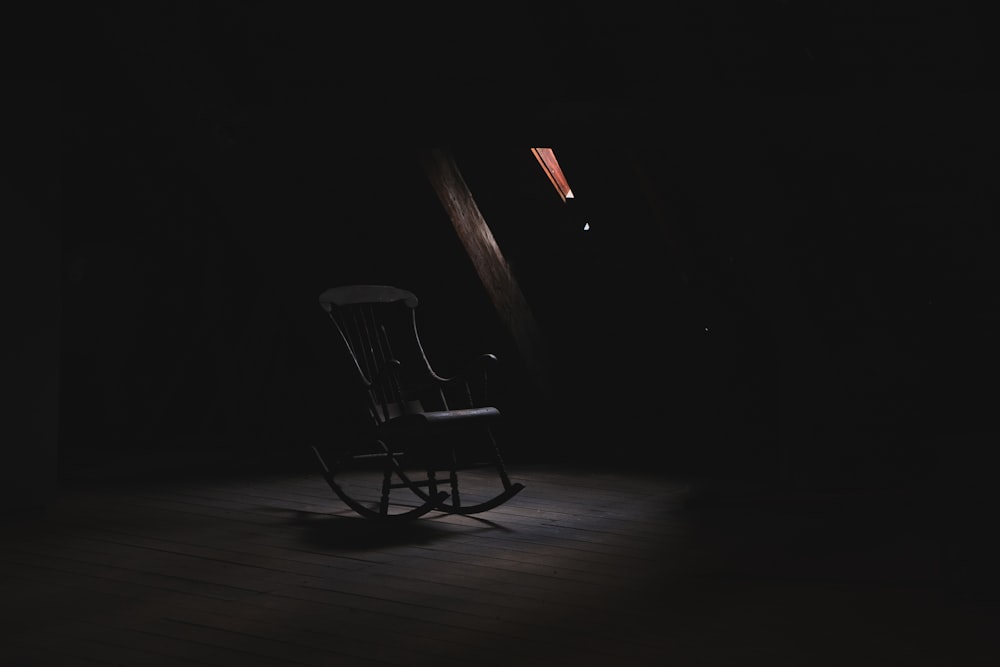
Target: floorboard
x=584 y=567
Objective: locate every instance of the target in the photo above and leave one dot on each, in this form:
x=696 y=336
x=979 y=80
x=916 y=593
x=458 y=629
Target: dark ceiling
x=418 y=70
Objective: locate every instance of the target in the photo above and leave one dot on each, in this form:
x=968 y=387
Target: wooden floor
x=584 y=567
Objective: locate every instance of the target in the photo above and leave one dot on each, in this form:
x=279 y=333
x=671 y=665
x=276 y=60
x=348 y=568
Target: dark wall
x=30 y=191
x=792 y=222
x=204 y=219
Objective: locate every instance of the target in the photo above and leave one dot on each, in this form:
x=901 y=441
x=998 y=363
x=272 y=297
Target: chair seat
x=440 y=419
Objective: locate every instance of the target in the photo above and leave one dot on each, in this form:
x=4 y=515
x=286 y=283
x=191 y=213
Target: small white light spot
x=586 y=226
x=706 y=328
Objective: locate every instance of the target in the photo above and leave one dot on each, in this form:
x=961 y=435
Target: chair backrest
x=378 y=328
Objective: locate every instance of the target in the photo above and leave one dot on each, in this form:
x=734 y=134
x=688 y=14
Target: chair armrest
x=478 y=364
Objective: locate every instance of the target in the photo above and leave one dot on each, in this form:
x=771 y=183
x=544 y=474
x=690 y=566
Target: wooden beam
x=489 y=262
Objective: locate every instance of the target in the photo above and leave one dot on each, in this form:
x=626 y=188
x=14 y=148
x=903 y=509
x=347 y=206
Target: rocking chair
x=419 y=432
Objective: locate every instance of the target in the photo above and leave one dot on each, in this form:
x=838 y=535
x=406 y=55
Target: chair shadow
x=356 y=533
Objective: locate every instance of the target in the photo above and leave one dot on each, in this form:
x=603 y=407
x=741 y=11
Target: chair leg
x=430 y=502
x=432 y=483
x=452 y=504
x=498 y=460
x=383 y=504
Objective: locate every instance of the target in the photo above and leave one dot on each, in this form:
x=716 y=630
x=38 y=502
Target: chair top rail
x=348 y=295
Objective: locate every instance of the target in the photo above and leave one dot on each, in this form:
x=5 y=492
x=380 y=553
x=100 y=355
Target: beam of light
x=547 y=158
